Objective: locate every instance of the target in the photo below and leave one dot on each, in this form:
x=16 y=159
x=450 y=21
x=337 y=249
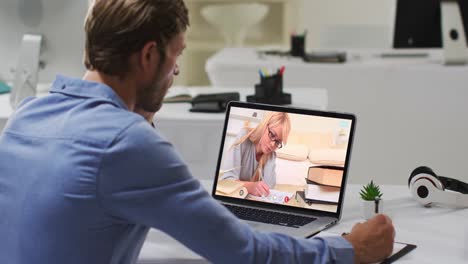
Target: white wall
x=362 y=19
x=59 y=22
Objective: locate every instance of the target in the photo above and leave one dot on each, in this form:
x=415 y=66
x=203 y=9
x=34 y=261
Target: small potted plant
x=372 y=200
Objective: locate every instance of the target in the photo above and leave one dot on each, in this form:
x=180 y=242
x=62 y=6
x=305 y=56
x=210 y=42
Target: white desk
x=197 y=136
x=441 y=234
x=410 y=112
x=5 y=109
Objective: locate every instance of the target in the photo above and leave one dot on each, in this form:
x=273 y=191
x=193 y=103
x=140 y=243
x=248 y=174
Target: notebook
x=255 y=131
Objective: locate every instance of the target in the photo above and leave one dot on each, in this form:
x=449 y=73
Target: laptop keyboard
x=269 y=217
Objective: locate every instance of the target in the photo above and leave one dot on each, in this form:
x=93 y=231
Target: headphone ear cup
x=428 y=188
x=419 y=170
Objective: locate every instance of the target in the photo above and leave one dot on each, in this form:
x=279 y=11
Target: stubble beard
x=151 y=97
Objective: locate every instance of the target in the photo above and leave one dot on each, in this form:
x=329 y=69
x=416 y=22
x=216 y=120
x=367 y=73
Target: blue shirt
x=82 y=179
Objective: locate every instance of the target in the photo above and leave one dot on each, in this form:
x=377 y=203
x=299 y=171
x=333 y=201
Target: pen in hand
x=221 y=172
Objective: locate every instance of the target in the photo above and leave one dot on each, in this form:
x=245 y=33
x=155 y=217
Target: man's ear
x=148 y=56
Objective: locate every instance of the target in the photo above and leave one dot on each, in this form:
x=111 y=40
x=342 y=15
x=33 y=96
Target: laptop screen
x=284 y=156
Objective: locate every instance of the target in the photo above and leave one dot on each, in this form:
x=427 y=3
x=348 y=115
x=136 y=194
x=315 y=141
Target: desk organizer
x=270 y=90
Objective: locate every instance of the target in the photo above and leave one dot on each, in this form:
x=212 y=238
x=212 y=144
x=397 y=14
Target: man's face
x=150 y=97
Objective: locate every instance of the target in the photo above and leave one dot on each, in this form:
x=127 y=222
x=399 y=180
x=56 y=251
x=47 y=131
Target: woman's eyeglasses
x=274 y=138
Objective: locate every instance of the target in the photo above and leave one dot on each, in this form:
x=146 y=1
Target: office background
x=418 y=123
x=329 y=24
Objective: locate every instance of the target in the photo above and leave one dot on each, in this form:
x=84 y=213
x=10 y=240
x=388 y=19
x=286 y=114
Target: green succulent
x=371 y=192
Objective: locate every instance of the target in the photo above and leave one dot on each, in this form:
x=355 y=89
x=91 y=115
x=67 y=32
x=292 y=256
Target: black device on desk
x=213 y=103
x=312 y=57
x=418 y=23
x=325 y=56
x=298 y=50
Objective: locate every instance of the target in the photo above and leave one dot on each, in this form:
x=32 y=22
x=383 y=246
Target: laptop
x=298 y=188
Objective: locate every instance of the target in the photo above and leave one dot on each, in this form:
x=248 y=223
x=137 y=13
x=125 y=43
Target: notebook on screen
x=267 y=157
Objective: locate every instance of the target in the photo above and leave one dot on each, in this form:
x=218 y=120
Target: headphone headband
x=419 y=170
x=454 y=185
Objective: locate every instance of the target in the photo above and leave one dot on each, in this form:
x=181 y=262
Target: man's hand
x=259 y=188
x=372 y=240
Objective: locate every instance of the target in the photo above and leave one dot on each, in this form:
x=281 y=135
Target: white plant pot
x=371 y=208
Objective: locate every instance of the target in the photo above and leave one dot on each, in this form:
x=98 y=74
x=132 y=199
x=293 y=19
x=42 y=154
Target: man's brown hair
x=115 y=29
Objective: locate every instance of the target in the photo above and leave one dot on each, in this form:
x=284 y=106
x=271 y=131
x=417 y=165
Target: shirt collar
x=82 y=88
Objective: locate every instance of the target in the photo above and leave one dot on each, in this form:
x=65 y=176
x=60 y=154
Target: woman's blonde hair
x=271 y=119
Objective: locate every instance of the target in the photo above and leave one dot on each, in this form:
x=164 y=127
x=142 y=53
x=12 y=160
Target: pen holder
x=270 y=91
x=298 y=45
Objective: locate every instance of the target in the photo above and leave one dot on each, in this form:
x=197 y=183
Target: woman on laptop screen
x=251 y=159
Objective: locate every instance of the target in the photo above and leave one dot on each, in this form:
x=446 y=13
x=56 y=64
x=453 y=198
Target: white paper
x=317 y=192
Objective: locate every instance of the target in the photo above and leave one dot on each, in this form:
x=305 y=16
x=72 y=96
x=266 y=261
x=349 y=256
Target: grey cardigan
x=242 y=158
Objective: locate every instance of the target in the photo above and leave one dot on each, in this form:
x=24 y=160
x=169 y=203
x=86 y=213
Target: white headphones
x=428 y=188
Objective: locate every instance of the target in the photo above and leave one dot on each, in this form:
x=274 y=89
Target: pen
x=221 y=172
x=281 y=71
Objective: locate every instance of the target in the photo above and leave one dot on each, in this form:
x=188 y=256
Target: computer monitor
x=418 y=23
x=59 y=23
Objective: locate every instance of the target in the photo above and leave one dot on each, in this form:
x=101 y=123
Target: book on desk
x=231 y=188
x=179 y=95
x=327 y=175
x=316 y=194
x=323 y=184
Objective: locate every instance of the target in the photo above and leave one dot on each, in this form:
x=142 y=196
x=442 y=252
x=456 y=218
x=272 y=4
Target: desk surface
x=224 y=67
x=441 y=234
x=247 y=57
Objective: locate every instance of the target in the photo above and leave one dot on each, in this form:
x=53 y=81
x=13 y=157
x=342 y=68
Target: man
x=83 y=177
